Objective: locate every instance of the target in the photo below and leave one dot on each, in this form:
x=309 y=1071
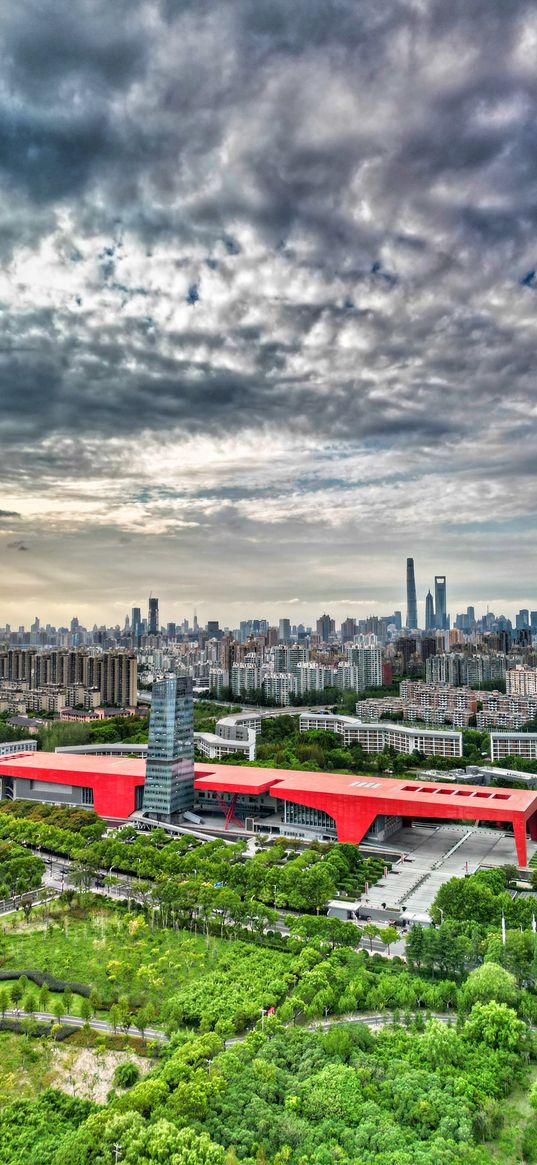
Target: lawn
x=25 y=1067
x=513 y=1141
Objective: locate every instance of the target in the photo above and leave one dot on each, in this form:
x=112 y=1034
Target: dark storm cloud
x=341 y=196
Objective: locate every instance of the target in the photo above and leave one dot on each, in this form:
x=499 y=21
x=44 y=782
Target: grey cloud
x=311 y=218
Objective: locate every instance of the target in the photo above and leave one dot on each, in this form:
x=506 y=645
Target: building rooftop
x=62 y=763
x=282 y=782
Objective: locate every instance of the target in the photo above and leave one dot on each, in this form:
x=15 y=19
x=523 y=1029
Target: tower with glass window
x=169 y=777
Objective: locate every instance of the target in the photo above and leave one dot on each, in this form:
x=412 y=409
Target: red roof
x=283 y=782
x=70 y=764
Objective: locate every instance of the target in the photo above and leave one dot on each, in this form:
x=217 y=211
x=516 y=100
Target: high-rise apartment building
x=348 y=630
x=153 y=617
x=411 y=601
x=169 y=778
x=521 y=681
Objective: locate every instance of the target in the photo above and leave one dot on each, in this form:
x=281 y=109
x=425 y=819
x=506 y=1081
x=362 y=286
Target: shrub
x=126 y=1074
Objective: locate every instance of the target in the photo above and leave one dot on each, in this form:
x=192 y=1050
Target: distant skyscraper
x=152 y=620
x=429 y=612
x=411 y=602
x=325 y=627
x=169 y=777
x=440 y=602
x=284 y=631
x=136 y=624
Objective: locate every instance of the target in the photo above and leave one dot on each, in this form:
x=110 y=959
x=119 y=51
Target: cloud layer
x=267 y=302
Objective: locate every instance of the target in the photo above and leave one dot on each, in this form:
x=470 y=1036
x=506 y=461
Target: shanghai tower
x=411 y=602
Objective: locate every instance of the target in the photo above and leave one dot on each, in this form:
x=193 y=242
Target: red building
x=354 y=802
x=113 y=786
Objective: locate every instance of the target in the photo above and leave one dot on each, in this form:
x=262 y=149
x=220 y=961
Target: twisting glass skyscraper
x=411 y=601
x=169 y=776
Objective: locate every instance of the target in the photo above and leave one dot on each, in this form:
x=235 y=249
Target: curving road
x=372 y=1019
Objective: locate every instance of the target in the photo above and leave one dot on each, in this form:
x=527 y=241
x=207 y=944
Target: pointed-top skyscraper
x=411 y=601
x=429 y=612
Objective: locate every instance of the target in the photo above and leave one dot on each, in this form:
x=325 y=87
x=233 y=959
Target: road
x=98 y=1025
x=371 y=1019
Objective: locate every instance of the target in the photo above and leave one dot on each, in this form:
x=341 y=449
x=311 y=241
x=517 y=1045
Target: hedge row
x=54 y=984
x=22 y=1027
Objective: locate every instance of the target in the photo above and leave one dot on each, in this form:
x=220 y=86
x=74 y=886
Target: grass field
x=25 y=1067
x=121 y=958
x=114 y=956
x=507 y=1149
x=28 y=1066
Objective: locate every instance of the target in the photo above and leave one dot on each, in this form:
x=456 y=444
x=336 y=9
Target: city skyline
x=262 y=331
x=292 y=609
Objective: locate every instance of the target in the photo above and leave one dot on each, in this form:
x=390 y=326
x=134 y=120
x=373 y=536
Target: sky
x=268 y=301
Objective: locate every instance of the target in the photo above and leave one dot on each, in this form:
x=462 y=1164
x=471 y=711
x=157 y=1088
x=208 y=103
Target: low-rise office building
x=383 y=735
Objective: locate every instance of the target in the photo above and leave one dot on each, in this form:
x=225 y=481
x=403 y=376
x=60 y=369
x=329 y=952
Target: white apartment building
x=380 y=736
x=367 y=661
x=218 y=680
x=212 y=745
x=245 y=677
x=280 y=687
x=522 y=744
x=521 y=681
x=313 y=677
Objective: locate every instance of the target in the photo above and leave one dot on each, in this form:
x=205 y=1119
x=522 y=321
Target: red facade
x=113 y=779
x=354 y=802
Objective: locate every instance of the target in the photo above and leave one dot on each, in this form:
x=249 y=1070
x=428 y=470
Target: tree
x=126 y=1074
x=115 y=1016
x=372 y=931
x=58 y=1008
x=68 y=999
x=86 y=1010
x=28 y=1002
x=415 y=947
x=4 y=1002
x=496 y=1025
x=388 y=936
x=16 y=994
x=488 y=983
x=44 y=994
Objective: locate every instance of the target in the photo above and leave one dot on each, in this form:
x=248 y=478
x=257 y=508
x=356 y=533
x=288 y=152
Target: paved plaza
x=433 y=855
